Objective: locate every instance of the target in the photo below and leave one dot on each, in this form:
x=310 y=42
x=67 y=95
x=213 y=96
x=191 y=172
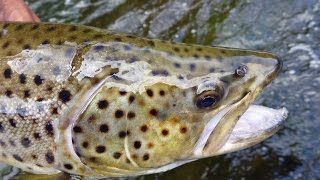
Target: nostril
x=241 y=70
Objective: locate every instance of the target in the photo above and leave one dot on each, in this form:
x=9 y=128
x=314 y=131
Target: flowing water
x=289 y=28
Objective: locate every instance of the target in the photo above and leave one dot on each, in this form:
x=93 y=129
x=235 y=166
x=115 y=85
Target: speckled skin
x=96 y=103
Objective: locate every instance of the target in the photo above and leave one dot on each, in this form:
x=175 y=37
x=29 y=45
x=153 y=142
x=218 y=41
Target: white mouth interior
x=255 y=125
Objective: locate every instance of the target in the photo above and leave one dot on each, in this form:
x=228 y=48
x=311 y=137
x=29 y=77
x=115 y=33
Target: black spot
x=36 y=135
x=117 y=155
x=39 y=165
x=85 y=144
x=145 y=157
x=8 y=93
x=149 y=92
x=19 y=27
x=68 y=166
x=162 y=93
x=137 y=144
x=7 y=73
x=25 y=142
x=100 y=149
x=183 y=130
x=49 y=88
x=86 y=30
x=196 y=56
x=50 y=29
x=119 y=113
x=23 y=79
x=54 y=111
x=131 y=37
x=35 y=26
x=144 y=128
x=49 y=157
x=122 y=134
x=176 y=49
x=6 y=45
x=153 y=112
x=192 y=67
x=77 y=129
x=122 y=93
x=73 y=28
x=177 y=65
x=65 y=96
x=38 y=80
x=103 y=104
x=34 y=156
x=40 y=99
x=45 y=42
x=118 y=39
x=160 y=72
x=26 y=93
x=131 y=115
x=26 y=46
x=151 y=43
x=49 y=129
x=98 y=48
x=104 y=128
x=199 y=49
x=180 y=77
x=131 y=99
x=98 y=36
x=13 y=122
x=165 y=132
x=1 y=128
x=17 y=157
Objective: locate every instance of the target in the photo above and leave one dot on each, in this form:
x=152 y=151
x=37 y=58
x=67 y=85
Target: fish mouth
x=255 y=125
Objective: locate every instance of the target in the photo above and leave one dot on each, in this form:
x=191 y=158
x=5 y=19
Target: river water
x=289 y=28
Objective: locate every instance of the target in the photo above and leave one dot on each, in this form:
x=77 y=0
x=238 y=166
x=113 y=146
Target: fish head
x=178 y=116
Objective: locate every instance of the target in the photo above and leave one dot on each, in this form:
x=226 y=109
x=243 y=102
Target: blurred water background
x=289 y=28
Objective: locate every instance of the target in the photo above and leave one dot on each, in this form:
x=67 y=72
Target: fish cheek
x=162 y=132
x=99 y=134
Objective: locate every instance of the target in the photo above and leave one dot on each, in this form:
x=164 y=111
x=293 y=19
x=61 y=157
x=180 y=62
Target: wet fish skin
x=97 y=103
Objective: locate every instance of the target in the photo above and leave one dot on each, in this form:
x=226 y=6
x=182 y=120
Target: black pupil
x=207 y=102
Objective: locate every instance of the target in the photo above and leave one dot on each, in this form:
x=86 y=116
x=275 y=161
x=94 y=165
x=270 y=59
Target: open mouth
x=255 y=125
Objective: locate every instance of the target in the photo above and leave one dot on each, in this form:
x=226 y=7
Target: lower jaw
x=255 y=125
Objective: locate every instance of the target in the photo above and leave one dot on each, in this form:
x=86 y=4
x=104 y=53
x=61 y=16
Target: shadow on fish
x=95 y=103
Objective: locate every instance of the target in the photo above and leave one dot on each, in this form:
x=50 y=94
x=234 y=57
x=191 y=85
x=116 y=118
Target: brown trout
x=95 y=103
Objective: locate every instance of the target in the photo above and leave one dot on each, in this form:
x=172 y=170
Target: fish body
x=97 y=103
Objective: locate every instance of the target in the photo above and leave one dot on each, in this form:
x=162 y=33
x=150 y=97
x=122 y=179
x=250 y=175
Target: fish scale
x=97 y=103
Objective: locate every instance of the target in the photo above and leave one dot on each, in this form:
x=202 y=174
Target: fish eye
x=208 y=99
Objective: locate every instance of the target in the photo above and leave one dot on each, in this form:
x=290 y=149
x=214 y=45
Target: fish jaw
x=255 y=125
x=223 y=133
